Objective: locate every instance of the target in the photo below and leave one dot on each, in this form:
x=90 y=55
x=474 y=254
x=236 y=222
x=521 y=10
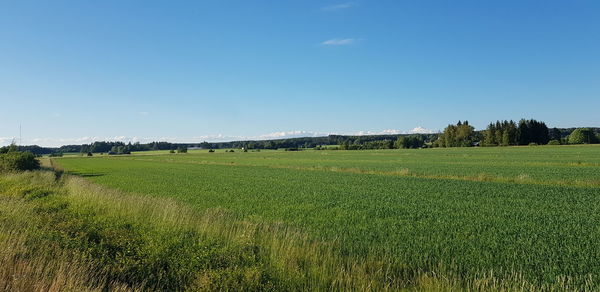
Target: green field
x=517 y=213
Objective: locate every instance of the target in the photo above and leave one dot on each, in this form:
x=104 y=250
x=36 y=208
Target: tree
x=511 y=128
x=554 y=134
x=459 y=135
x=582 y=136
x=400 y=143
x=532 y=131
x=489 y=135
x=505 y=138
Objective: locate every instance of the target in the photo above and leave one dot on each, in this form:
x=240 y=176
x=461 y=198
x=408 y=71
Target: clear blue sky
x=75 y=71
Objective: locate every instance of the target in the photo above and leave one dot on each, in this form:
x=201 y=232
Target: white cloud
x=269 y=136
x=290 y=134
x=340 y=6
x=339 y=42
x=383 y=132
x=6 y=140
x=416 y=130
x=421 y=130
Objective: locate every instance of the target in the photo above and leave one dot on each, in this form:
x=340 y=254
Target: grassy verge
x=65 y=233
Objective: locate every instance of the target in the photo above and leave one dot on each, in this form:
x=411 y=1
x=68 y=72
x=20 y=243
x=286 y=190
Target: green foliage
x=120 y=150
x=182 y=149
x=554 y=142
x=18 y=161
x=501 y=134
x=129 y=251
x=409 y=142
x=532 y=131
x=10 y=148
x=367 y=145
x=459 y=135
x=583 y=136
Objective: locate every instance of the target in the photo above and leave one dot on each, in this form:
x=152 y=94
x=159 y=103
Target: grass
x=69 y=235
x=558 y=165
x=485 y=219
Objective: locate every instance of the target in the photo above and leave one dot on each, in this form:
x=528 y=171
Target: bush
x=171 y=151
x=90 y=154
x=18 y=161
x=56 y=154
x=182 y=149
x=533 y=144
x=211 y=151
x=553 y=142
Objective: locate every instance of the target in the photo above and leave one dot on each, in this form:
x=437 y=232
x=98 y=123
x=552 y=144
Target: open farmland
x=514 y=214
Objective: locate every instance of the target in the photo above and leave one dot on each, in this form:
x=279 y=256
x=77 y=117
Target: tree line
x=510 y=133
x=461 y=134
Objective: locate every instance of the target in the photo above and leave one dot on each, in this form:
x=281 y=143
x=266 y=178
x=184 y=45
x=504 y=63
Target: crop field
x=516 y=215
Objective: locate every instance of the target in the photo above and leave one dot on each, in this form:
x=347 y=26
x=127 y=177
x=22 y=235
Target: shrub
x=56 y=154
x=182 y=149
x=90 y=154
x=553 y=142
x=533 y=144
x=18 y=161
x=171 y=151
x=211 y=151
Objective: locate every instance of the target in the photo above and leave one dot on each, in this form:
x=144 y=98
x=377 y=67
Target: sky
x=72 y=72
